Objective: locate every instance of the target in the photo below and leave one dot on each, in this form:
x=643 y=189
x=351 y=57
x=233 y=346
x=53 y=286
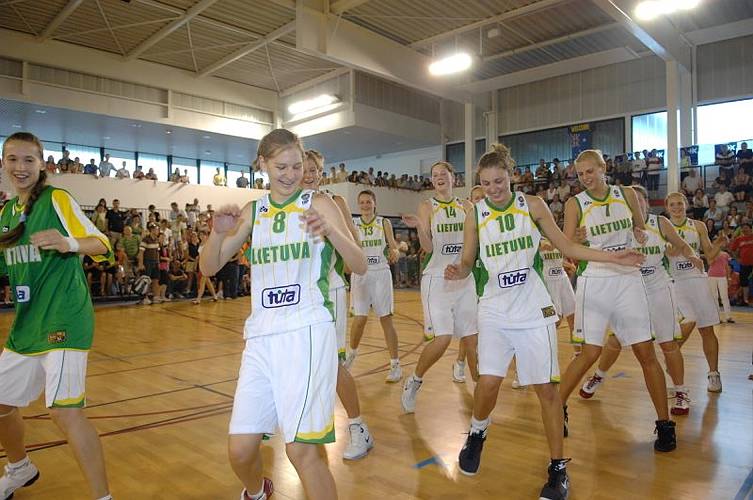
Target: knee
x=644 y=353
x=302 y=455
x=548 y=394
x=65 y=417
x=242 y=452
x=670 y=347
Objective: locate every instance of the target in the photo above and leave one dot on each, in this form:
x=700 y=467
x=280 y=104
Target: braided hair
x=11 y=237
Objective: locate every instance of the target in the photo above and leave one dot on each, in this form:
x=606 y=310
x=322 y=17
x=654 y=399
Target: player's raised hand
x=315 y=224
x=411 y=220
x=454 y=272
x=629 y=257
x=697 y=262
x=640 y=235
x=226 y=218
x=50 y=239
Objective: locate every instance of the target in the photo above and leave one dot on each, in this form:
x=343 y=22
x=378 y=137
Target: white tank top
x=373 y=242
x=447 y=221
x=553 y=264
x=289 y=269
x=511 y=265
x=679 y=267
x=654 y=268
x=609 y=227
x=337 y=276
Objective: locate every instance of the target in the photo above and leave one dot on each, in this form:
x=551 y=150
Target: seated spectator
x=741 y=185
x=333 y=175
x=76 y=167
x=571 y=175
x=219 y=178
x=725 y=159
x=551 y=192
x=139 y=172
x=711 y=228
x=99 y=218
x=105 y=167
x=259 y=184
x=563 y=191
x=724 y=198
x=64 y=163
x=184 y=178
x=242 y=181
x=699 y=203
x=692 y=182
x=325 y=179
x=93 y=272
x=542 y=175
x=50 y=166
x=151 y=175
x=726 y=230
x=177 y=281
x=714 y=213
x=745 y=158
x=527 y=180
x=557 y=170
x=734 y=218
x=91 y=168
x=122 y=172
x=342 y=174
x=353 y=177
x=175 y=176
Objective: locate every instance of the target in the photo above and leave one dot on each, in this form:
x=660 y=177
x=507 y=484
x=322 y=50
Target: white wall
x=390 y=202
x=403 y=162
x=725 y=69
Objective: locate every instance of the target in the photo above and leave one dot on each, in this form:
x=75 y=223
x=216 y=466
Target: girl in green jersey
x=42 y=233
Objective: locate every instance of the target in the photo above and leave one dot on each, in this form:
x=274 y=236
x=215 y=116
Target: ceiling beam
x=552 y=41
x=251 y=47
x=735 y=29
x=170 y=28
x=659 y=35
x=572 y=65
x=505 y=16
x=69 y=9
x=288 y=4
x=340 y=6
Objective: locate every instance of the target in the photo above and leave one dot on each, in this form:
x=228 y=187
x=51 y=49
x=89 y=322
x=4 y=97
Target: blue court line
x=747 y=486
x=429 y=461
x=620 y=375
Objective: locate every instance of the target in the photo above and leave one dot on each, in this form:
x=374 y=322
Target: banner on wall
x=688 y=156
x=580 y=138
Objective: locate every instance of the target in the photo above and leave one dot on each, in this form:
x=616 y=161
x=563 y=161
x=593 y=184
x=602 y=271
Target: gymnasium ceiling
x=217 y=36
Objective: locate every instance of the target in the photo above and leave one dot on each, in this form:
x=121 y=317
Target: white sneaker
x=410 y=390
x=145 y=301
x=220 y=295
x=458 y=372
x=360 y=442
x=715 y=382
x=516 y=384
x=590 y=386
x=156 y=300
x=350 y=358
x=680 y=403
x=395 y=374
x=15 y=478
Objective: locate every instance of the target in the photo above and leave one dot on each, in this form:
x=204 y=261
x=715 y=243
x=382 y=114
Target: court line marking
x=746 y=487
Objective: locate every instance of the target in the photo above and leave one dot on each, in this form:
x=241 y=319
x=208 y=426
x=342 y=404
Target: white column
x=469 y=142
x=687 y=126
x=492 y=120
x=671 y=158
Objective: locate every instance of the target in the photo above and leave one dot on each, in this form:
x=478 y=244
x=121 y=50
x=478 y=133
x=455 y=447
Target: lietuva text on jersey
x=611 y=226
x=372 y=243
x=280 y=253
x=505 y=247
x=450 y=227
x=22 y=254
x=652 y=250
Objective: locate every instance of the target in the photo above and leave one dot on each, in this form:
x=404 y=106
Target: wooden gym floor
x=161 y=380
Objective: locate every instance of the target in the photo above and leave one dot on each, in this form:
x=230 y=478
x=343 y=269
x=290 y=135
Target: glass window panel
x=156 y=162
x=725 y=122
x=184 y=164
x=117 y=157
x=83 y=153
x=234 y=172
x=208 y=170
x=650 y=131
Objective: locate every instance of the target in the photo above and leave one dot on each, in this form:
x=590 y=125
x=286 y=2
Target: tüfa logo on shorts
x=684 y=265
x=373 y=260
x=282 y=296
x=23 y=294
x=56 y=337
x=648 y=271
x=548 y=311
x=452 y=249
x=555 y=271
x=513 y=278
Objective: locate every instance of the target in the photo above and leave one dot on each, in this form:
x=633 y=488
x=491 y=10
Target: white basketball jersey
x=680 y=267
x=447 y=222
x=553 y=264
x=609 y=227
x=373 y=242
x=654 y=268
x=290 y=269
x=337 y=276
x=511 y=266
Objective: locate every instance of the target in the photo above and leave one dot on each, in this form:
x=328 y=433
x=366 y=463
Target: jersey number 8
x=278 y=225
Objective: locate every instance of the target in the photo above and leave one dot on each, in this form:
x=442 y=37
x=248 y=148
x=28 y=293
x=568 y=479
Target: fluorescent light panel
x=651 y=9
x=313 y=103
x=451 y=64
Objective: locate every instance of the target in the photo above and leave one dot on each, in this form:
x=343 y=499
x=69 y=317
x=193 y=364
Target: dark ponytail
x=11 y=237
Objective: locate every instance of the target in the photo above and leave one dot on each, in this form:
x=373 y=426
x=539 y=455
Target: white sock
x=460 y=362
x=681 y=388
x=354 y=351
x=395 y=362
x=601 y=373
x=355 y=421
x=479 y=425
x=417 y=378
x=20 y=463
x=259 y=495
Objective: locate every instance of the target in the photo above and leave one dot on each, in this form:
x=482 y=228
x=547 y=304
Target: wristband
x=73 y=244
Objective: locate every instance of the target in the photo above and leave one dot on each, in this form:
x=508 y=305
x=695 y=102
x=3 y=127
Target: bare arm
x=422 y=223
x=632 y=200
x=470 y=249
x=572 y=218
x=679 y=246
x=709 y=250
x=347 y=216
x=389 y=235
x=232 y=227
x=326 y=220
x=543 y=217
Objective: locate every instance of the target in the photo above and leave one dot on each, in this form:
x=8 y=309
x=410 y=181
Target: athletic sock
x=479 y=425
x=417 y=378
x=681 y=388
x=257 y=496
x=601 y=373
x=395 y=362
x=355 y=421
x=460 y=362
x=559 y=464
x=20 y=464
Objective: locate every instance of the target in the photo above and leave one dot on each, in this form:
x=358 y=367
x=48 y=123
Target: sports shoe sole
x=716 y=391
x=680 y=411
x=665 y=450
x=27 y=483
x=362 y=455
x=466 y=473
x=585 y=395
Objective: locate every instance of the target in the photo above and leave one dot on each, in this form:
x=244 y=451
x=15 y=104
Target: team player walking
x=633 y=270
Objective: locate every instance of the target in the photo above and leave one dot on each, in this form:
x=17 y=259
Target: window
x=208 y=169
x=650 y=131
x=156 y=162
x=117 y=158
x=54 y=149
x=83 y=153
x=455 y=155
x=234 y=172
x=185 y=164
x=723 y=123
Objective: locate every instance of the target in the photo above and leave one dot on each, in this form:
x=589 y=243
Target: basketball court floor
x=161 y=380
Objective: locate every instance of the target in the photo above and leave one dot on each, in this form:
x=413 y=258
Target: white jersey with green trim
x=337 y=276
x=609 y=227
x=679 y=267
x=290 y=269
x=373 y=242
x=447 y=222
x=654 y=268
x=511 y=265
x=553 y=264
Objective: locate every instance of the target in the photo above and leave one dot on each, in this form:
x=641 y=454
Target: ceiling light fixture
x=168 y=132
x=651 y=9
x=16 y=126
x=107 y=137
x=206 y=137
x=313 y=103
x=449 y=65
x=41 y=111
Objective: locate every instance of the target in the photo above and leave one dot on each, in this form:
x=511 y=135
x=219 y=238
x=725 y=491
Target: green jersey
x=53 y=306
